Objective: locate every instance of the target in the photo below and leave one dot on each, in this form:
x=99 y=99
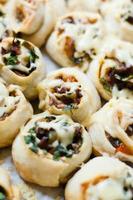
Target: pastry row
x=35 y=20
x=100 y=178
x=111 y=71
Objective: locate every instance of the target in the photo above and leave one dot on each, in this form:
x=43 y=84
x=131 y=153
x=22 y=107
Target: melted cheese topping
x=7 y=103
x=111 y=189
x=64 y=128
x=86 y=35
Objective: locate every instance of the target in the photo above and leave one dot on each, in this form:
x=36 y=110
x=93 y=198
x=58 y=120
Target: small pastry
x=102 y=178
x=111 y=129
x=51 y=148
x=76 y=39
x=112 y=70
x=119 y=15
x=21 y=63
x=34 y=19
x=69 y=91
x=7 y=190
x=15 y=111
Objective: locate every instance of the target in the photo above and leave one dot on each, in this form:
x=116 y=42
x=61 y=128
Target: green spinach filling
x=48 y=141
x=11 y=56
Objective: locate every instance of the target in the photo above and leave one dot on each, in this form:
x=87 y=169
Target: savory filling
x=117 y=74
x=66 y=94
x=8 y=102
x=118 y=145
x=55 y=136
x=20 y=57
x=2 y=194
x=80 y=36
x=112 y=188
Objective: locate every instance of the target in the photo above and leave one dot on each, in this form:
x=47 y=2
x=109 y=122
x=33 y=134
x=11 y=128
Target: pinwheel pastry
x=15 y=111
x=51 y=148
x=119 y=15
x=21 y=64
x=101 y=178
x=7 y=190
x=34 y=19
x=111 y=129
x=112 y=70
x=76 y=39
x=86 y=5
x=69 y=91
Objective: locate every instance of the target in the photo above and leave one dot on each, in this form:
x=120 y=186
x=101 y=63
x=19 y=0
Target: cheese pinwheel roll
x=21 y=64
x=34 y=19
x=76 y=39
x=69 y=91
x=15 y=111
x=101 y=178
x=112 y=70
x=119 y=15
x=51 y=148
x=111 y=129
x=7 y=190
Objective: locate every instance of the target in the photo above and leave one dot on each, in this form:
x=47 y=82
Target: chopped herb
x=2 y=196
x=105 y=84
x=34 y=148
x=29 y=139
x=60 y=151
x=31 y=130
x=33 y=56
x=11 y=60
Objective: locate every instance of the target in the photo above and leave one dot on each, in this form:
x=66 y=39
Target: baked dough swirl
x=101 y=178
x=68 y=91
x=7 y=190
x=77 y=38
x=21 y=63
x=112 y=70
x=119 y=15
x=35 y=19
x=111 y=129
x=15 y=111
x=51 y=148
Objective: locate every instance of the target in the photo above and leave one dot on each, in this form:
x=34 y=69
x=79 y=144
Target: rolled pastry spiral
x=15 y=111
x=7 y=189
x=101 y=178
x=86 y=5
x=69 y=91
x=34 y=19
x=112 y=70
x=51 y=148
x=76 y=38
x=21 y=63
x=119 y=15
x=111 y=129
